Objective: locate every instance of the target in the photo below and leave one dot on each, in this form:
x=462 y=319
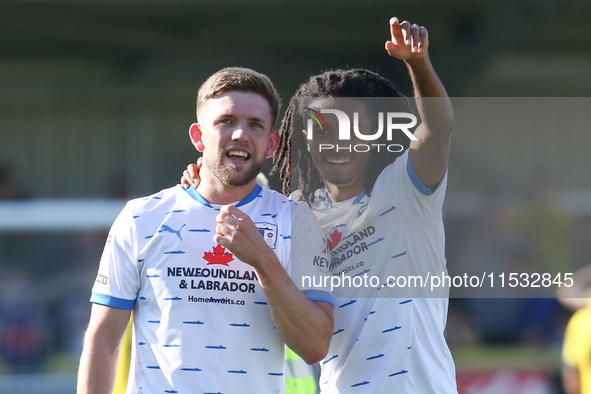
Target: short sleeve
x=118 y=279
x=309 y=267
x=400 y=185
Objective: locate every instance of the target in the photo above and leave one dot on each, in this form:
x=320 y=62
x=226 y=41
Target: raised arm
x=429 y=153
x=98 y=363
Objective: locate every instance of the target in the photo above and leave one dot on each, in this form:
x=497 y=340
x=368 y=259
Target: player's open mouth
x=238 y=155
x=338 y=161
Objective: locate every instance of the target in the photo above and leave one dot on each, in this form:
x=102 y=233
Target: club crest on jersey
x=219 y=256
x=269 y=233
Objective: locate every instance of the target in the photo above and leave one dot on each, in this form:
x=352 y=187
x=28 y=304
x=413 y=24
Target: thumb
x=392 y=48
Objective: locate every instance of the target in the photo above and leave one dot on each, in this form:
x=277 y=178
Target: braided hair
x=292 y=150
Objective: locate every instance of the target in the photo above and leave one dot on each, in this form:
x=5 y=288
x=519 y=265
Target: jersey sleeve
x=401 y=185
x=118 y=279
x=308 y=257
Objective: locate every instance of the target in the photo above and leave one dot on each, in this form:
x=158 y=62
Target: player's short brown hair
x=240 y=79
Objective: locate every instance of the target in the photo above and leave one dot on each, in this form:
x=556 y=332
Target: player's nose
x=240 y=133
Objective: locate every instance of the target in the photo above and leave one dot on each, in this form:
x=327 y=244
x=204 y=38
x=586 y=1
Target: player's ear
x=273 y=144
x=305 y=133
x=195 y=134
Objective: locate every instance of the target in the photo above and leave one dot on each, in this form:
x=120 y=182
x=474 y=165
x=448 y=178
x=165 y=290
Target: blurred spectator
x=22 y=324
x=8 y=188
x=119 y=187
x=545 y=227
x=546 y=230
x=493 y=247
x=73 y=318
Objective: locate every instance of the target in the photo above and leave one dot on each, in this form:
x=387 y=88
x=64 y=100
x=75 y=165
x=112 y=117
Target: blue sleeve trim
x=319 y=295
x=113 y=302
x=414 y=178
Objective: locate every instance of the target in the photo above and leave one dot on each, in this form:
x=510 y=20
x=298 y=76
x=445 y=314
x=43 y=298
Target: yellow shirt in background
x=124 y=360
x=576 y=350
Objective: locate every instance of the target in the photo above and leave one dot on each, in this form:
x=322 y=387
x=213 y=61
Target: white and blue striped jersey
x=201 y=320
x=387 y=340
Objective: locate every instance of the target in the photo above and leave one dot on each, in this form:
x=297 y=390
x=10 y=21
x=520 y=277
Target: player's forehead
x=239 y=104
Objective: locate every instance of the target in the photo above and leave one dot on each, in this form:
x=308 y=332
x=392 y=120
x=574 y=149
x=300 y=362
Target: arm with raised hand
x=430 y=152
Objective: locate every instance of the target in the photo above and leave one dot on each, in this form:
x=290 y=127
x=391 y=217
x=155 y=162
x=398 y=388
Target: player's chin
x=337 y=178
x=242 y=178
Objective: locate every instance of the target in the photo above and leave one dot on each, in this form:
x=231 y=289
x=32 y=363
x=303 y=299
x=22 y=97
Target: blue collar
x=356 y=201
x=199 y=198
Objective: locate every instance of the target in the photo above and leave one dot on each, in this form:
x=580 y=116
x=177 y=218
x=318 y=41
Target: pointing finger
x=396 y=32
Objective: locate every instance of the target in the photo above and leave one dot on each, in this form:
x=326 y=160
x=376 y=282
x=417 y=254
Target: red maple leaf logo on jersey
x=335 y=238
x=219 y=256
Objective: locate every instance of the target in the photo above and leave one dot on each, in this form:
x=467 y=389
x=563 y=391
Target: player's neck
x=215 y=192
x=338 y=193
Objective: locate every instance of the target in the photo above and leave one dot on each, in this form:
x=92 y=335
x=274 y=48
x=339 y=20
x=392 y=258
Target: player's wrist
x=416 y=63
x=268 y=268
